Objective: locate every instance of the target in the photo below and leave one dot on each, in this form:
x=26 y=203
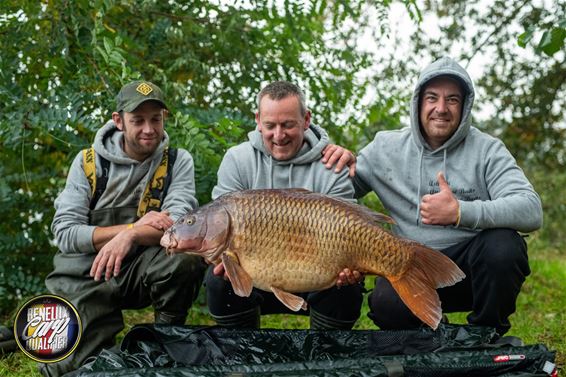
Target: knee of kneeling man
x=503 y=240
x=383 y=297
x=216 y=284
x=385 y=312
x=189 y=266
x=503 y=248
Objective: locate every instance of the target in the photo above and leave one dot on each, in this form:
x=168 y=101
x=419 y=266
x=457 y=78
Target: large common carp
x=294 y=240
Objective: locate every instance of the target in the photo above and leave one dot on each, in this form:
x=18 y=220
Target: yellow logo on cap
x=144 y=88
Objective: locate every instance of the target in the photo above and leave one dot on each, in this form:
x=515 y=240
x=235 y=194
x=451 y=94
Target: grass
x=540 y=316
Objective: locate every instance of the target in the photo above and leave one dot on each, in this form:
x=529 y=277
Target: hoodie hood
x=249 y=166
x=445 y=66
x=109 y=141
x=401 y=168
x=315 y=140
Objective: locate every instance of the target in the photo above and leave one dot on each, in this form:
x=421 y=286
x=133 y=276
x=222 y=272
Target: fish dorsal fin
x=376 y=216
x=293 y=302
x=367 y=212
x=293 y=190
x=299 y=190
x=361 y=209
x=240 y=279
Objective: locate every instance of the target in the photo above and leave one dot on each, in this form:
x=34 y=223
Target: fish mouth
x=169 y=242
x=173 y=246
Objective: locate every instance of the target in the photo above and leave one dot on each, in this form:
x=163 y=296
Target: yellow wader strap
x=151 y=198
x=153 y=193
x=89 y=168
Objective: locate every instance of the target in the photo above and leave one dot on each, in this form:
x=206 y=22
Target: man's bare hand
x=336 y=155
x=440 y=208
x=109 y=259
x=219 y=270
x=347 y=277
x=157 y=220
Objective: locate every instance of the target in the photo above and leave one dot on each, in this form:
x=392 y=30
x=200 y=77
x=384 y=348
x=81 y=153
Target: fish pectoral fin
x=241 y=281
x=293 y=302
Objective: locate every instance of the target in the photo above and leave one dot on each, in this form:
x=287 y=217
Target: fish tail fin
x=428 y=270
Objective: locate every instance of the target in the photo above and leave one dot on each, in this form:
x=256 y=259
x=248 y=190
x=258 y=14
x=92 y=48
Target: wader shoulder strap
x=97 y=185
x=154 y=192
x=170 y=162
x=157 y=188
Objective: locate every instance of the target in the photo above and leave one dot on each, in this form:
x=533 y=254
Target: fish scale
x=292 y=241
x=287 y=232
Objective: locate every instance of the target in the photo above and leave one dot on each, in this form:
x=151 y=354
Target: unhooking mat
x=451 y=350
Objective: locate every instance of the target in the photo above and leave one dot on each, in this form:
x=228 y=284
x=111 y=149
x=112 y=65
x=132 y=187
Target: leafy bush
x=551 y=186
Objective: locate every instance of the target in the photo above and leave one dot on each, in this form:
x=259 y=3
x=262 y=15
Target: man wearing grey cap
x=120 y=196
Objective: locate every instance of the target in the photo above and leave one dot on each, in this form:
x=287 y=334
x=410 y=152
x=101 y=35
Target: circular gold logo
x=47 y=328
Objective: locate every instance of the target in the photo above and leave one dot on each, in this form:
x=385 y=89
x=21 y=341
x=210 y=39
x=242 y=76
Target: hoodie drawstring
x=270 y=172
x=419 y=184
x=270 y=175
x=444 y=166
x=291 y=175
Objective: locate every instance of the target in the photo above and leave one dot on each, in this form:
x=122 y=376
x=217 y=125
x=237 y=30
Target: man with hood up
x=456 y=189
x=109 y=256
x=284 y=151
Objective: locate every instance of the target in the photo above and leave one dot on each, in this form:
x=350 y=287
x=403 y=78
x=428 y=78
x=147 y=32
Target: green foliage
x=552 y=190
x=551 y=41
x=207 y=143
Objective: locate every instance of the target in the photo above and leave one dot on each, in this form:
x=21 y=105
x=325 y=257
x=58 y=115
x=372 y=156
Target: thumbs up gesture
x=440 y=208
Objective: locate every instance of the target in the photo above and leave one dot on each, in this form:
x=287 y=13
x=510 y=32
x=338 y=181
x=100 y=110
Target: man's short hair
x=279 y=90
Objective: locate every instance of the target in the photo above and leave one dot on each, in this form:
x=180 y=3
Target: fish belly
x=289 y=271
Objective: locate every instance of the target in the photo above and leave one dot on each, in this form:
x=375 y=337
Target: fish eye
x=190 y=220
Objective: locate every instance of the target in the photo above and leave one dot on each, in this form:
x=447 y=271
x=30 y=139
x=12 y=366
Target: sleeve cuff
x=467 y=217
x=84 y=239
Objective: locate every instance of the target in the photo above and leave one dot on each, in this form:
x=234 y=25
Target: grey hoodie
x=401 y=167
x=250 y=166
x=127 y=179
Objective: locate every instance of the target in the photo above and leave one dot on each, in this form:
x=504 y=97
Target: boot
x=7 y=341
x=319 y=321
x=247 y=320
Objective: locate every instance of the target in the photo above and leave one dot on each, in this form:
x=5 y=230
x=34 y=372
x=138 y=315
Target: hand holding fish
x=157 y=220
x=441 y=208
x=219 y=270
x=339 y=156
x=348 y=277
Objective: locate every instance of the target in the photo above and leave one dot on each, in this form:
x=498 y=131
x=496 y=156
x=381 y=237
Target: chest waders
x=147 y=277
